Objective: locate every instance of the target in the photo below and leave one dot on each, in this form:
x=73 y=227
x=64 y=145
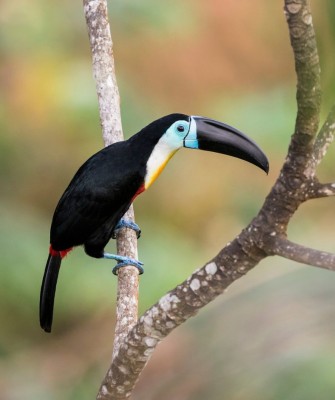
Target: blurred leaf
x=146 y=16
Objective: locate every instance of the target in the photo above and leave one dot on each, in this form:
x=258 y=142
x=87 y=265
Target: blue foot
x=125 y=223
x=123 y=262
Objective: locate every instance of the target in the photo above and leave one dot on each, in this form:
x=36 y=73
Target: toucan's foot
x=125 y=223
x=123 y=262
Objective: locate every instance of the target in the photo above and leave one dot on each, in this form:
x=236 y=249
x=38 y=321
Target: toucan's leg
x=124 y=261
x=125 y=223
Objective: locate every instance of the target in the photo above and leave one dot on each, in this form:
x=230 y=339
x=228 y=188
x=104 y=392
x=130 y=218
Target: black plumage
x=106 y=184
x=102 y=190
x=97 y=197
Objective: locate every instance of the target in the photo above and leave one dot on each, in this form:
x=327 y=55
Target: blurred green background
x=272 y=335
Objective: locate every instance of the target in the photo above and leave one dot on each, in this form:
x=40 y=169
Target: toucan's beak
x=208 y=134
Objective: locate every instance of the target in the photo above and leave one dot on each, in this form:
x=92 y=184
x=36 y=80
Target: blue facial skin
x=190 y=140
x=176 y=134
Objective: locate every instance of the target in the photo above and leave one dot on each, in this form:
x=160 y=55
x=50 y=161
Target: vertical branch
x=96 y=15
x=104 y=69
x=307 y=66
x=127 y=290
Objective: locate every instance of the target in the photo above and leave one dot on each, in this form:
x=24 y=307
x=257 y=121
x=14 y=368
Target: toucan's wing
x=100 y=191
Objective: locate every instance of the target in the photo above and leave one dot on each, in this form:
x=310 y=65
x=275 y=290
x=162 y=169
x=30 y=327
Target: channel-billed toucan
x=107 y=183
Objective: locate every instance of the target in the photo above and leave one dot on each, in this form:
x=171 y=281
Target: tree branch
x=318 y=190
x=110 y=116
x=324 y=138
x=104 y=70
x=291 y=190
x=255 y=242
x=303 y=42
x=305 y=255
x=181 y=303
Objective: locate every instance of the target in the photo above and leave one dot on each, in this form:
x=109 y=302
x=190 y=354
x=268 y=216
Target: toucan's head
x=194 y=132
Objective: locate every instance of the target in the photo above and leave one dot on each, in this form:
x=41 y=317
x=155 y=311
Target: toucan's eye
x=180 y=128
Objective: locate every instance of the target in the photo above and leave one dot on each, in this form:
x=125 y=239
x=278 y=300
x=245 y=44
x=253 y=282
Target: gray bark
x=265 y=236
x=110 y=117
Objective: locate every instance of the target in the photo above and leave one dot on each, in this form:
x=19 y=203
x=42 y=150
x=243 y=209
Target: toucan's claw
x=125 y=223
x=123 y=262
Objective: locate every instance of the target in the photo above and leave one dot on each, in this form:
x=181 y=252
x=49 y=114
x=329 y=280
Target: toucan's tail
x=48 y=290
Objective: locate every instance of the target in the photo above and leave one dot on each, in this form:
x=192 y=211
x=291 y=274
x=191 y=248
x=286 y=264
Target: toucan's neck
x=158 y=159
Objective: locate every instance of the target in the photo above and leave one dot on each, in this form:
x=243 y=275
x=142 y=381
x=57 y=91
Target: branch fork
x=266 y=235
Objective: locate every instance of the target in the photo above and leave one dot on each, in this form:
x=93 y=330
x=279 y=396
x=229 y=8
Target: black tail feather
x=48 y=291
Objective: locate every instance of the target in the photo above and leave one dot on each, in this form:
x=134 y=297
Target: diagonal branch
x=181 y=303
x=253 y=244
x=110 y=116
x=302 y=254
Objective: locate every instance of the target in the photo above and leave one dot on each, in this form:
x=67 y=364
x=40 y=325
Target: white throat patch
x=158 y=159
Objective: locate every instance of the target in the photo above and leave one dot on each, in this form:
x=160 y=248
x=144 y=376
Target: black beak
x=210 y=135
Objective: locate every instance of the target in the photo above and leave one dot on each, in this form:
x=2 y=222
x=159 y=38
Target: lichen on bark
x=266 y=235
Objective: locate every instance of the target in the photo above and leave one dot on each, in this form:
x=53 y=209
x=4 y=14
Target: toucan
x=91 y=208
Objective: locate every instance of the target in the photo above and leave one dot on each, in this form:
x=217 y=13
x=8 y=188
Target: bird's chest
x=157 y=162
